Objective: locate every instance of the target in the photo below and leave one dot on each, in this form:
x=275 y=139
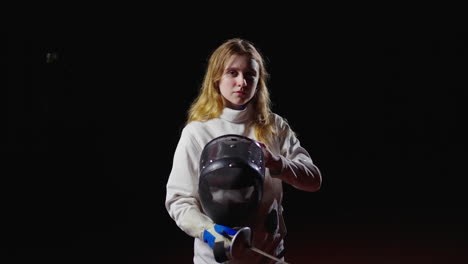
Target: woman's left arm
x=294 y=164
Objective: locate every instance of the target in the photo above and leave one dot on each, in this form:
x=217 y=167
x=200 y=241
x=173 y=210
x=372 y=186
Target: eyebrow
x=237 y=69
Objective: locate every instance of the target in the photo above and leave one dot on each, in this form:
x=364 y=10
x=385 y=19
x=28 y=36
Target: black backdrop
x=93 y=114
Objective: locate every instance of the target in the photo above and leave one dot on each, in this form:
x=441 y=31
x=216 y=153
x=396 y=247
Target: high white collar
x=236 y=116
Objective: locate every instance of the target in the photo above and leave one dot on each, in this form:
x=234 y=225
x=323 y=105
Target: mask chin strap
x=272 y=219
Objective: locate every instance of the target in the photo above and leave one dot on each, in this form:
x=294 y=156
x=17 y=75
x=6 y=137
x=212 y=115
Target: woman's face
x=239 y=81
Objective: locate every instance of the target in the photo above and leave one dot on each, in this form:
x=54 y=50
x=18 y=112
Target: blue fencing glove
x=219 y=238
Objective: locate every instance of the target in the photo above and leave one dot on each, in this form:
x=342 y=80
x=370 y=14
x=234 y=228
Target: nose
x=241 y=82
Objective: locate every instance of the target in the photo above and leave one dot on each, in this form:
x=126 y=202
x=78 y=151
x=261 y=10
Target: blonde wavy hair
x=209 y=102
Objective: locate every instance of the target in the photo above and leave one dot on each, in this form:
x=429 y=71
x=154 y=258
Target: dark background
x=89 y=136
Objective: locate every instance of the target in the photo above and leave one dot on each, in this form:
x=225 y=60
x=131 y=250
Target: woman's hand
x=272 y=161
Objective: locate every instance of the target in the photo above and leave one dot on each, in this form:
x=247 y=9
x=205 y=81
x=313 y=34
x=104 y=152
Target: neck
x=233 y=106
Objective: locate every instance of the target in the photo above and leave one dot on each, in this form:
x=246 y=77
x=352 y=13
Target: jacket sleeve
x=182 y=200
x=298 y=168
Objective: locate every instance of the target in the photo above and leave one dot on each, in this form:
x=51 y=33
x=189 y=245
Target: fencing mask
x=232 y=169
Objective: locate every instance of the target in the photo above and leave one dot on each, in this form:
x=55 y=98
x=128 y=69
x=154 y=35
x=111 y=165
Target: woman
x=234 y=99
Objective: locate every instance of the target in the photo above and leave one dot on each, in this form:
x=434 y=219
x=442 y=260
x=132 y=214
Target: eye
x=250 y=74
x=232 y=73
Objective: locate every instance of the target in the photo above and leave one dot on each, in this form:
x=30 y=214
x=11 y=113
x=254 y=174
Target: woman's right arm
x=182 y=199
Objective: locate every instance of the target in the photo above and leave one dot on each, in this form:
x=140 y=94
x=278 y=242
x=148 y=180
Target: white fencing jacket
x=182 y=199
